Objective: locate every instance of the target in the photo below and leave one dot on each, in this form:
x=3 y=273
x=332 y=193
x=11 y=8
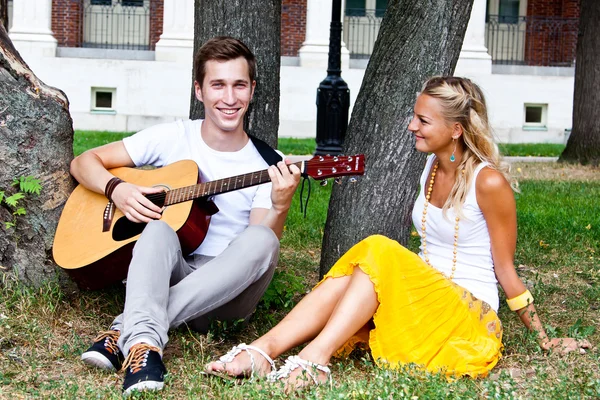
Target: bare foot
x=241 y=362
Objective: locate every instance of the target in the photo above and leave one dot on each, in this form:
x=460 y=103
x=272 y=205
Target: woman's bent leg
x=356 y=307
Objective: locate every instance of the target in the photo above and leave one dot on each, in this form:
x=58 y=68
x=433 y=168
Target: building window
x=116 y=24
x=536 y=116
x=356 y=8
x=125 y=3
x=103 y=99
x=380 y=6
x=508 y=11
x=132 y=3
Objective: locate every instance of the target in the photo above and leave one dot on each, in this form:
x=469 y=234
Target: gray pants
x=166 y=289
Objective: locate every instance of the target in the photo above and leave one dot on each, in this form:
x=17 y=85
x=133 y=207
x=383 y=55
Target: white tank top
x=474 y=264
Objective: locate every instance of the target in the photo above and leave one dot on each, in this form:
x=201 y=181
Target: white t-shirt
x=474 y=263
x=165 y=144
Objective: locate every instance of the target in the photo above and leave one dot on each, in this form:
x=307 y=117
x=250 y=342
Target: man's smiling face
x=226 y=93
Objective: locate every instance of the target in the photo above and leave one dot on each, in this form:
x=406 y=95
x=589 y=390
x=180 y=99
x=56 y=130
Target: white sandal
x=231 y=354
x=295 y=362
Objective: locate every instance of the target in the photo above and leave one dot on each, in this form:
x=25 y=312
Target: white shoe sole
x=96 y=359
x=143 y=386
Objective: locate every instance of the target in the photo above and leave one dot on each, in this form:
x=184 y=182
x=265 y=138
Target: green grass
x=297 y=146
x=43 y=331
x=84 y=140
x=531 y=149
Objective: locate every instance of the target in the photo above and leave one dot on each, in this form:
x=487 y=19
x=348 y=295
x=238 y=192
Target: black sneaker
x=144 y=369
x=105 y=353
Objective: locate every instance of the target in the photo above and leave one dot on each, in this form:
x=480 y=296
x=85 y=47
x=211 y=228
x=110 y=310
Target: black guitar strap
x=272 y=158
x=266 y=152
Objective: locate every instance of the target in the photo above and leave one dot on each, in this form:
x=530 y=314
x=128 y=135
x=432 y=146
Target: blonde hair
x=462 y=101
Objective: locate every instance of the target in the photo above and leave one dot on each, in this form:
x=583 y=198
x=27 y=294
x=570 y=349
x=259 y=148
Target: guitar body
x=95 y=259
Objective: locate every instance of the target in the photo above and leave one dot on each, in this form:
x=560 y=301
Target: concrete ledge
x=287 y=61
x=502 y=69
x=114 y=54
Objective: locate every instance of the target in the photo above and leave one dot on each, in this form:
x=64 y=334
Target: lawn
x=44 y=331
x=86 y=139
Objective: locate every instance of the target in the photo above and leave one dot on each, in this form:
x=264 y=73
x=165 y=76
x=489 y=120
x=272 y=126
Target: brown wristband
x=110 y=187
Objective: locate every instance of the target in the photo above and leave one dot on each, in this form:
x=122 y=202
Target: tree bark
x=418 y=39
x=583 y=145
x=257 y=23
x=4 y=14
x=36 y=138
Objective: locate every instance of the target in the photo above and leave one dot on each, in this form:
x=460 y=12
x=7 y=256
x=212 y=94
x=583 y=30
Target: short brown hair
x=222 y=48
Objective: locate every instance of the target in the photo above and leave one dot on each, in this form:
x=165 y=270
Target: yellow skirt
x=422 y=318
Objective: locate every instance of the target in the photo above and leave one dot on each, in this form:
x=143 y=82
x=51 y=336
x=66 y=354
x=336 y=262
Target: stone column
x=474 y=58
x=177 y=40
x=315 y=49
x=31 y=28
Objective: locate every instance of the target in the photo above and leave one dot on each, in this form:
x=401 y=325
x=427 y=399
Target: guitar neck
x=219 y=186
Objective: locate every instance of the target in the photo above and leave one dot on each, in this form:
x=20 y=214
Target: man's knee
x=263 y=245
x=262 y=238
x=157 y=233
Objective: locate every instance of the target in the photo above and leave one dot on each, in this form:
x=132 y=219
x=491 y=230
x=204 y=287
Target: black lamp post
x=333 y=95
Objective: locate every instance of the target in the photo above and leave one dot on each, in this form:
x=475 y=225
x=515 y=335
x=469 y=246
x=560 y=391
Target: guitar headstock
x=323 y=167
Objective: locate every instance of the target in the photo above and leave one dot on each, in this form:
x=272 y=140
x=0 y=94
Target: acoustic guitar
x=96 y=254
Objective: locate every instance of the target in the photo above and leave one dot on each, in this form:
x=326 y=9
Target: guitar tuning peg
x=353 y=180
x=338 y=180
x=323 y=182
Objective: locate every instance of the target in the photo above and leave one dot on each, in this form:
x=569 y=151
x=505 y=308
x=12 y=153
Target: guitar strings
x=161 y=197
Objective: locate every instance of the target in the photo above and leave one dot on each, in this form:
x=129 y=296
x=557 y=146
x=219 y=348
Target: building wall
x=550 y=39
x=293 y=26
x=156 y=21
x=147 y=92
x=66 y=22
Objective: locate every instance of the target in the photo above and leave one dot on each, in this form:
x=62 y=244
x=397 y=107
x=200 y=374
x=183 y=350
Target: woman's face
x=432 y=132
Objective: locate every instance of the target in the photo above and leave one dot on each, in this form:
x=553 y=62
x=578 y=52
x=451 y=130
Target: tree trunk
x=417 y=39
x=4 y=14
x=257 y=23
x=583 y=145
x=36 y=138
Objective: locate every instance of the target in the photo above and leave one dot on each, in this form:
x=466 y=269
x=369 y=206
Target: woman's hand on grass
x=566 y=345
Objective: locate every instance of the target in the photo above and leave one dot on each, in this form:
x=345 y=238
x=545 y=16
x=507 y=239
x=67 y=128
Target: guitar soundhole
x=125 y=229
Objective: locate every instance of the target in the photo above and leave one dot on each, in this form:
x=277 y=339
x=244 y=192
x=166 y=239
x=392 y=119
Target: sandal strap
x=231 y=354
x=294 y=362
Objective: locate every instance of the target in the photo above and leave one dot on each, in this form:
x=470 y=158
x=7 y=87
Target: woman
x=437 y=309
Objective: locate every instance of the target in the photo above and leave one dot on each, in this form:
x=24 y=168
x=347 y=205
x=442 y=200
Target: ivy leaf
x=1 y=195
x=14 y=199
x=20 y=211
x=8 y=224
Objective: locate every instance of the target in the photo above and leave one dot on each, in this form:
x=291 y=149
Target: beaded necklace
x=423 y=220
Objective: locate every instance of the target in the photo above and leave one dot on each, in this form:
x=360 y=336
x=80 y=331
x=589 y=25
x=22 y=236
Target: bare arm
x=284 y=180
x=91 y=170
x=496 y=200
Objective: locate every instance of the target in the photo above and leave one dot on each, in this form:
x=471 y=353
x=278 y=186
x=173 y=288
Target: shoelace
x=110 y=340
x=137 y=357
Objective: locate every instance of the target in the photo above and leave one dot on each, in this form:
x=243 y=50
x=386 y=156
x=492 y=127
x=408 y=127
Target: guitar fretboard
x=217 y=187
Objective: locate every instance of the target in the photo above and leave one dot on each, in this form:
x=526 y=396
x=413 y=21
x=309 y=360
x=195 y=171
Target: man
x=228 y=274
